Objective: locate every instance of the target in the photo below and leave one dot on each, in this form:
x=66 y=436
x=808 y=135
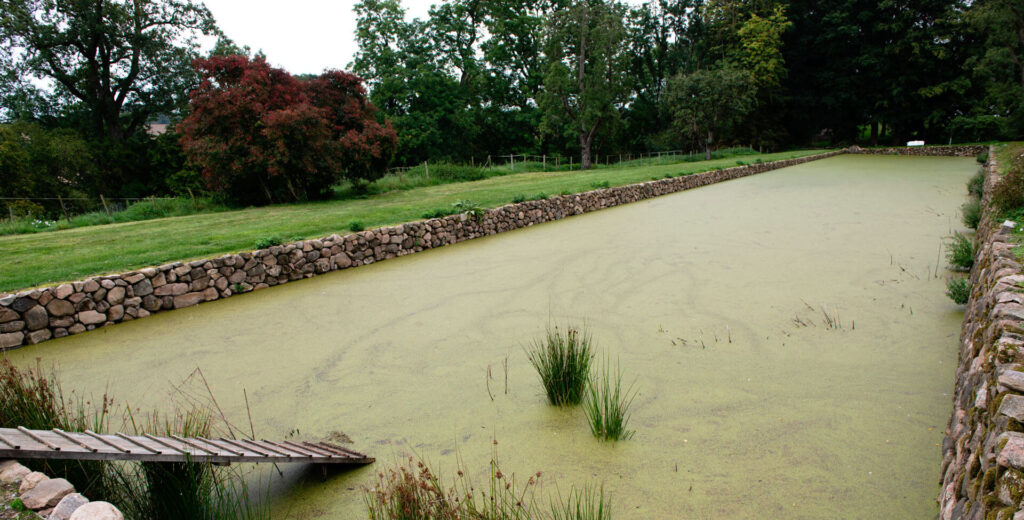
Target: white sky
x=300 y=36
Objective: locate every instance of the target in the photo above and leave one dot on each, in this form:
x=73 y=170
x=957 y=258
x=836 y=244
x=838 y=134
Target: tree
x=584 y=86
x=124 y=60
x=261 y=136
x=36 y=163
x=707 y=103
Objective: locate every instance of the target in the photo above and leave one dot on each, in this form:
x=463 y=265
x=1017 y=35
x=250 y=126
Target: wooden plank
x=12 y=444
x=300 y=452
x=137 y=443
x=244 y=447
x=305 y=446
x=92 y=434
x=221 y=447
x=79 y=442
x=37 y=438
x=261 y=444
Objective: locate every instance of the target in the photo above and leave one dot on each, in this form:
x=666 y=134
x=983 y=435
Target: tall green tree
x=124 y=61
x=999 y=65
x=707 y=104
x=584 y=87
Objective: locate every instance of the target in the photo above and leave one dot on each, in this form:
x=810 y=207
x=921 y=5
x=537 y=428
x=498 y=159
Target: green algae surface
x=787 y=332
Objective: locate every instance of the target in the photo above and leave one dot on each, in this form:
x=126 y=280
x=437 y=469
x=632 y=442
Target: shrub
x=519 y=198
x=438 y=213
x=982 y=158
x=471 y=208
x=971 y=213
x=960 y=252
x=260 y=135
x=562 y=360
x=265 y=242
x=976 y=185
x=1008 y=193
x=540 y=196
x=355 y=226
x=601 y=185
x=607 y=405
x=958 y=288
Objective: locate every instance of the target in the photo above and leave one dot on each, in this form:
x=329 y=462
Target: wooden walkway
x=22 y=443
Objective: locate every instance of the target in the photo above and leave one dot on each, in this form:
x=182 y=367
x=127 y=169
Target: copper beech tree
x=261 y=136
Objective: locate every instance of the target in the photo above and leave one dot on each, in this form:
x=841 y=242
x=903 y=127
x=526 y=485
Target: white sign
x=915 y=143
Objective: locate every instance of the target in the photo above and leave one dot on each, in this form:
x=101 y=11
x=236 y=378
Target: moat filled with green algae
x=717 y=301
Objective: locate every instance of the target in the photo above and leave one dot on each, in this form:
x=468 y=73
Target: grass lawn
x=73 y=254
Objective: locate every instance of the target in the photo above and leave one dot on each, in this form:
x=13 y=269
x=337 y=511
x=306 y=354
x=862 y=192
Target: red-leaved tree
x=261 y=136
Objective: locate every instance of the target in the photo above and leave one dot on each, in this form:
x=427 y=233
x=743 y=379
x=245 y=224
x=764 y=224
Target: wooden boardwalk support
x=22 y=443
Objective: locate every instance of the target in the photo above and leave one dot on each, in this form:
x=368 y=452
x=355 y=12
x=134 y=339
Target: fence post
x=544 y=162
x=10 y=210
x=426 y=168
x=105 y=208
x=66 y=217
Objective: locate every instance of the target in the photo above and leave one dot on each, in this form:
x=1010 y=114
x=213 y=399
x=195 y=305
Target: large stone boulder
x=12 y=471
x=67 y=506
x=30 y=481
x=47 y=493
x=97 y=511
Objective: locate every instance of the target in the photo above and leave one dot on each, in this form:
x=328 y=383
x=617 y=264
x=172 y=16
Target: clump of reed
x=414 y=491
x=606 y=404
x=562 y=359
x=960 y=252
x=166 y=491
x=35 y=399
x=958 y=288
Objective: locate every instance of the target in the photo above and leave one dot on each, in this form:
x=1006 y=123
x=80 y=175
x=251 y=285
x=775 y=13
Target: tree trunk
x=707 y=146
x=874 y=133
x=586 y=140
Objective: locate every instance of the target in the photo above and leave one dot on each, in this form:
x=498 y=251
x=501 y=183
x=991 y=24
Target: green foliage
x=982 y=158
x=707 y=104
x=606 y=404
x=958 y=288
x=960 y=252
x=1008 y=193
x=602 y=185
x=356 y=226
x=136 y=211
x=18 y=505
x=265 y=242
x=470 y=208
x=583 y=84
x=540 y=196
x=519 y=198
x=36 y=163
x=562 y=359
x=584 y=503
x=971 y=213
x=976 y=185
x=116 y=63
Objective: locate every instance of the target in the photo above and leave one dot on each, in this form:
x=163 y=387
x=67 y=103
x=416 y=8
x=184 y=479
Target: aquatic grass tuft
x=958 y=288
x=960 y=252
x=562 y=359
x=607 y=405
x=584 y=503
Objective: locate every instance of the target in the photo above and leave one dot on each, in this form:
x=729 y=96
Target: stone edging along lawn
x=37 y=315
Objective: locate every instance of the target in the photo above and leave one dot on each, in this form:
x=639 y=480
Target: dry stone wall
x=983 y=452
x=932 y=151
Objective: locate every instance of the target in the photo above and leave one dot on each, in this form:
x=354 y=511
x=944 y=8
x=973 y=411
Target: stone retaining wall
x=983 y=452
x=970 y=150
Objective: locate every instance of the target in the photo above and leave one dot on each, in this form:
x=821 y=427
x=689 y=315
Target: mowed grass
x=72 y=254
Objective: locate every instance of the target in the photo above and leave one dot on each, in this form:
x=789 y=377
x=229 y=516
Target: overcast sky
x=300 y=36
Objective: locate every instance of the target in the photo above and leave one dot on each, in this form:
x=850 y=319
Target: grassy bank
x=44 y=258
